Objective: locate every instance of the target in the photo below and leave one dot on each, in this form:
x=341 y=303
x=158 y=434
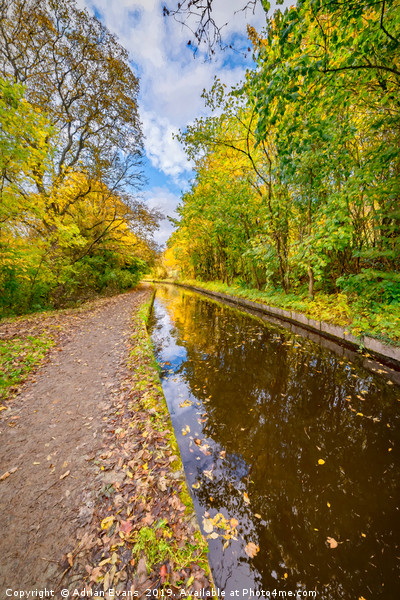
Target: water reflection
x=294 y=443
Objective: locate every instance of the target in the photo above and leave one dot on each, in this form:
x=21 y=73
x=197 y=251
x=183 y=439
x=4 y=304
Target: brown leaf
x=64 y=475
x=252 y=549
x=332 y=542
x=126 y=527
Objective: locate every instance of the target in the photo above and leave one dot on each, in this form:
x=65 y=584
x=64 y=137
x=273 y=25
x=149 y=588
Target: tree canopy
x=297 y=174
x=71 y=171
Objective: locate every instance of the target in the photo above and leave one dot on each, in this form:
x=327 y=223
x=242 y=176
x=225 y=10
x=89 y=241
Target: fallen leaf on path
x=8 y=473
x=64 y=475
x=252 y=549
x=126 y=527
x=107 y=522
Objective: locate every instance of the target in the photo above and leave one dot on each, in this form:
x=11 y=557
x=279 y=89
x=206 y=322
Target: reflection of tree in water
x=278 y=405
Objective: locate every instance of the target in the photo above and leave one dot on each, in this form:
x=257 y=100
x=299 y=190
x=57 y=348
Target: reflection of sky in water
x=254 y=408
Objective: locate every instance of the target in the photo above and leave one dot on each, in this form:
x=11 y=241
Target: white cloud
x=163 y=150
x=171 y=79
x=162 y=199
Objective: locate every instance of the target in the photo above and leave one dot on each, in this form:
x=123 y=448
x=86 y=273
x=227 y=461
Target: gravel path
x=48 y=502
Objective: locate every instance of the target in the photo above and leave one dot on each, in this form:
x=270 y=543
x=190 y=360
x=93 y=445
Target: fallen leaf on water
x=213 y=535
x=208 y=474
x=208 y=525
x=186 y=430
x=321 y=461
x=328 y=504
x=246 y=498
x=64 y=475
x=252 y=549
x=332 y=542
x=196 y=486
x=363 y=535
x=234 y=523
x=257 y=516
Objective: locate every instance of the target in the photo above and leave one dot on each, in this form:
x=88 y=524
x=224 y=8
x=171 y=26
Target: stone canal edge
x=385 y=352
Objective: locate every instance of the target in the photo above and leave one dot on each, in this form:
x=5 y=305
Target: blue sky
x=171 y=82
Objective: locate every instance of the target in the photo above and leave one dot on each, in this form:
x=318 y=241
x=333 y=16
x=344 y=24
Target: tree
x=75 y=70
x=197 y=16
x=76 y=74
x=314 y=131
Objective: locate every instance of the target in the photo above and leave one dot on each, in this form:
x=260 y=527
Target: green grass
x=155 y=544
x=359 y=317
x=18 y=357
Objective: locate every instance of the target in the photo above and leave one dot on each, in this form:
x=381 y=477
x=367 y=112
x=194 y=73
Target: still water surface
x=285 y=444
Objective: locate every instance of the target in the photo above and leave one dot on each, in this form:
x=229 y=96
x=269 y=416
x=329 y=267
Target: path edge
x=145 y=314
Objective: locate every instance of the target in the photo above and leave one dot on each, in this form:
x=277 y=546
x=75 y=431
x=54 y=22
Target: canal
x=289 y=450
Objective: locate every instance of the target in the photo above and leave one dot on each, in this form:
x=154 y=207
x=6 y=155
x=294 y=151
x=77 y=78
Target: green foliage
x=156 y=544
x=297 y=174
x=70 y=152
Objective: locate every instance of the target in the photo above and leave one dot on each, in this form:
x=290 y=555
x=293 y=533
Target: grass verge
x=18 y=357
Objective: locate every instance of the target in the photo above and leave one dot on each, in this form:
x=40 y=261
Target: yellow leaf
x=246 y=498
x=196 y=486
x=328 y=504
x=321 y=461
x=107 y=522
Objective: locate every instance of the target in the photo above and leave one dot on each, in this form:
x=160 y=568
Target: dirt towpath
x=46 y=504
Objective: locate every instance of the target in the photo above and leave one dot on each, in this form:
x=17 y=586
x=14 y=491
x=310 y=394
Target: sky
x=171 y=83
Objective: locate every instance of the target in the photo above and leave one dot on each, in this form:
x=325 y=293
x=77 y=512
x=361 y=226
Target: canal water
x=289 y=450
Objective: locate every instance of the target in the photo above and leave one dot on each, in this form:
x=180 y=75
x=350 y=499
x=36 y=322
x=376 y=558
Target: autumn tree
x=314 y=130
x=75 y=73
